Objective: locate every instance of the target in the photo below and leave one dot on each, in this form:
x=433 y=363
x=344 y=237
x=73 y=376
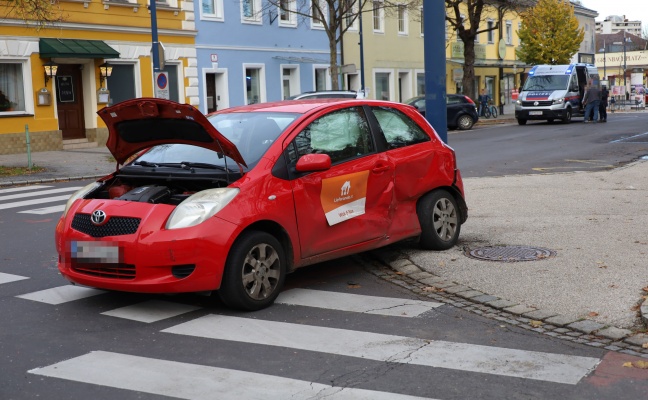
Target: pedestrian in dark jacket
x=603 y=105
x=592 y=99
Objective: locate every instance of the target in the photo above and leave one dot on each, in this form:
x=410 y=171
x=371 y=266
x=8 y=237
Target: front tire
x=440 y=220
x=254 y=272
x=568 y=116
x=465 y=122
x=522 y=121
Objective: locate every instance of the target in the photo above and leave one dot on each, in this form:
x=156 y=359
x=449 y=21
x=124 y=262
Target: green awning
x=75 y=48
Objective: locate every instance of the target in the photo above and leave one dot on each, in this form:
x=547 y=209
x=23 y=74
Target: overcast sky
x=632 y=9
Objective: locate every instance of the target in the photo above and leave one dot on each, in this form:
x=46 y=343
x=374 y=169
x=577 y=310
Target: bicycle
x=489 y=111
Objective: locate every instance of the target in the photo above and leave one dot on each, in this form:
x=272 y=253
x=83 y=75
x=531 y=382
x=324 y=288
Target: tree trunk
x=334 y=65
x=469 y=68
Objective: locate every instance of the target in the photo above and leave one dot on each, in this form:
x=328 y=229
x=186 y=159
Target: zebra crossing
x=198 y=381
x=30 y=196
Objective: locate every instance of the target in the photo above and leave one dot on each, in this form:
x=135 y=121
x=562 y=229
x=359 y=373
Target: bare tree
x=33 y=12
x=335 y=17
x=469 y=20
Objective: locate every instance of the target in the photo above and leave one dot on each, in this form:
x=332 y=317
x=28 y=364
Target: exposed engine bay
x=152 y=190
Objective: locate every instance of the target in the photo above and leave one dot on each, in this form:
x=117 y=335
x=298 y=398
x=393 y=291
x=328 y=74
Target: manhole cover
x=510 y=253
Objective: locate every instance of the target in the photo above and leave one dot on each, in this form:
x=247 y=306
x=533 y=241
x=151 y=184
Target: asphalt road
x=540 y=147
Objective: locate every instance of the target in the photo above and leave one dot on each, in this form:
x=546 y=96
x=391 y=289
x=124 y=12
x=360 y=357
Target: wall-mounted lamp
x=105 y=70
x=50 y=71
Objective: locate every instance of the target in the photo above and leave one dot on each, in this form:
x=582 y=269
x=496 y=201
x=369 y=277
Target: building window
x=378 y=16
x=211 y=10
x=420 y=83
x=351 y=14
x=289 y=81
x=402 y=20
x=509 y=33
x=423 y=26
x=317 y=14
x=253 y=85
x=12 y=87
x=121 y=83
x=251 y=11
x=383 y=91
x=518 y=32
x=491 y=31
x=321 y=83
x=287 y=16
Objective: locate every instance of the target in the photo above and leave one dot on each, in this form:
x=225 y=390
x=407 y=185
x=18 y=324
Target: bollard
x=29 y=162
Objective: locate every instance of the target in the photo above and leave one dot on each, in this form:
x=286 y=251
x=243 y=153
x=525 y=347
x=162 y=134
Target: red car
x=233 y=201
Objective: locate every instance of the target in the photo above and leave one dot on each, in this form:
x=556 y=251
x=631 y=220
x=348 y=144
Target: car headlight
x=518 y=102
x=199 y=207
x=79 y=194
x=559 y=101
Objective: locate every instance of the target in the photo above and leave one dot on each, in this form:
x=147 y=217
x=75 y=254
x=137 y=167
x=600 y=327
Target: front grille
x=115 y=271
x=541 y=103
x=114 y=227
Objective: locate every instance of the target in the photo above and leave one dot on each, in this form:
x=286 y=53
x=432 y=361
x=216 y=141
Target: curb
x=394 y=266
x=49 y=180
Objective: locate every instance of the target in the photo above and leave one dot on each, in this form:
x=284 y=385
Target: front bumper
x=540 y=114
x=151 y=260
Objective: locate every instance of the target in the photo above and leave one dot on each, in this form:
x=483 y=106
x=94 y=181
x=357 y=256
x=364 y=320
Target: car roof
x=297 y=106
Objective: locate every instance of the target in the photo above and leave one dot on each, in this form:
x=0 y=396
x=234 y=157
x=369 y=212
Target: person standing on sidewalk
x=592 y=98
x=604 y=103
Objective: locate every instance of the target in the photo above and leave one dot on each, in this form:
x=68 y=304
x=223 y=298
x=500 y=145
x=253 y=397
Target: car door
x=454 y=108
x=349 y=203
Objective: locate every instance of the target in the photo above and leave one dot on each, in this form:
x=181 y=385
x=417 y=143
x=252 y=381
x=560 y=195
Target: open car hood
x=137 y=124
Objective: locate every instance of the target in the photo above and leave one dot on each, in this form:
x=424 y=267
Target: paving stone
x=639 y=339
x=420 y=275
x=620 y=344
x=512 y=321
x=539 y=314
x=574 y=334
x=613 y=348
x=553 y=334
x=580 y=340
x=561 y=330
x=432 y=280
x=595 y=344
x=444 y=284
x=614 y=333
x=570 y=338
x=519 y=309
x=457 y=289
x=586 y=326
x=484 y=298
x=501 y=303
x=549 y=327
x=470 y=293
x=632 y=353
x=561 y=320
x=406 y=269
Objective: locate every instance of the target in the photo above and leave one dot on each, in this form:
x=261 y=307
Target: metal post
x=154 y=37
x=435 y=66
x=29 y=160
x=604 y=60
x=362 y=75
x=624 y=62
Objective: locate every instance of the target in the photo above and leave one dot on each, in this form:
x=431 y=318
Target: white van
x=554 y=92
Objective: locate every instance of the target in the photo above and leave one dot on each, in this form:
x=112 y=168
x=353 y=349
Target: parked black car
x=462 y=111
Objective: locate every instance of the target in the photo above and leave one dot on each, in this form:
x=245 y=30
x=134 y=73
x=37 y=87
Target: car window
x=342 y=134
x=398 y=128
x=453 y=100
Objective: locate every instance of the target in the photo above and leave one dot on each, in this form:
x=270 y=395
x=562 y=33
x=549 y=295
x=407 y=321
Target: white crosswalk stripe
x=61 y=294
x=26 y=196
x=397 y=349
x=151 y=311
x=356 y=303
x=6 y=278
x=191 y=381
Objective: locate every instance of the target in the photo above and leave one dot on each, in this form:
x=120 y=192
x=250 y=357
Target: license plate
x=535 y=112
x=96 y=252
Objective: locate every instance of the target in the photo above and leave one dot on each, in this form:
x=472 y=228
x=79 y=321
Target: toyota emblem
x=535 y=103
x=98 y=217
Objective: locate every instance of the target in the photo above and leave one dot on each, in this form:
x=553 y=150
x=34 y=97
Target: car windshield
x=546 y=82
x=251 y=132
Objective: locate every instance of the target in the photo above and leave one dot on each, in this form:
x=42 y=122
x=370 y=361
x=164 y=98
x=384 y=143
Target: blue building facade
x=249 y=51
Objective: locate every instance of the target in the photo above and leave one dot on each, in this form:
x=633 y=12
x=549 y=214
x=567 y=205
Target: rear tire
x=465 y=122
x=487 y=112
x=254 y=272
x=440 y=220
x=521 y=121
x=494 y=112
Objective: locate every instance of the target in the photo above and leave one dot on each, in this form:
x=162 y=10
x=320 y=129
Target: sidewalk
x=596 y=222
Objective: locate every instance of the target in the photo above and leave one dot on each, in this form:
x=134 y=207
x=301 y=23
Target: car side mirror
x=313 y=162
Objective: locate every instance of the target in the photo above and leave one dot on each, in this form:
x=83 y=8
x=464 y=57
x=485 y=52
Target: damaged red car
x=231 y=202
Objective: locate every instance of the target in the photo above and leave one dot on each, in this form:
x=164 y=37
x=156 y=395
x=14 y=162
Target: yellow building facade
x=53 y=80
x=393 y=43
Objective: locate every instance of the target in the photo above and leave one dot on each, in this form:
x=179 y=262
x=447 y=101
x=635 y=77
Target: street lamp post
x=624 y=61
x=604 y=61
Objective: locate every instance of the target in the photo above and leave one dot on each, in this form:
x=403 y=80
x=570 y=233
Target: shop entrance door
x=69 y=101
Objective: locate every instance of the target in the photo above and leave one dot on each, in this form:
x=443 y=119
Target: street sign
x=162 y=85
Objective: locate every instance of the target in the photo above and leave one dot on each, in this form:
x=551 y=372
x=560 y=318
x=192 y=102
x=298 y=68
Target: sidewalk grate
x=509 y=253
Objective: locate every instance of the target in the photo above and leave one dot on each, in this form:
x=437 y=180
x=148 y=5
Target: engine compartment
x=153 y=190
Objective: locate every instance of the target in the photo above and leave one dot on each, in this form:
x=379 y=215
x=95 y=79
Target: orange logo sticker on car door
x=343 y=197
